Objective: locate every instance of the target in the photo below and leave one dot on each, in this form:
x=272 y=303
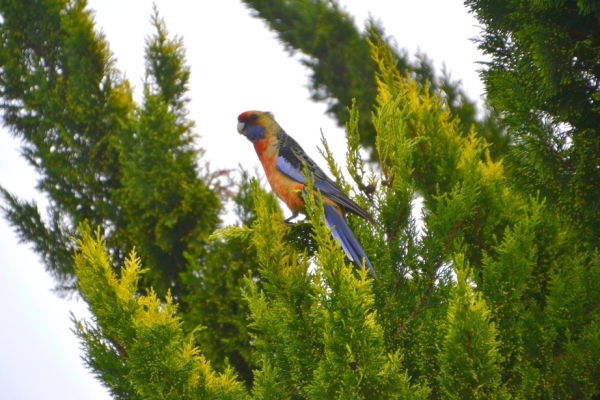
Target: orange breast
x=288 y=190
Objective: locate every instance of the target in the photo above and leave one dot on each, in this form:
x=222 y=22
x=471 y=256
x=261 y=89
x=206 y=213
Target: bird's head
x=254 y=124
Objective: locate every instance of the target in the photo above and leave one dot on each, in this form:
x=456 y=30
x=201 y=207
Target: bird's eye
x=253 y=118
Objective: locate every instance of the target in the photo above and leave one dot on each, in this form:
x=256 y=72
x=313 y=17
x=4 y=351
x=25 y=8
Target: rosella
x=283 y=159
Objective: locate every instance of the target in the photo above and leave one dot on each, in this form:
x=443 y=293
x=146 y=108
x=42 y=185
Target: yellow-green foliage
x=469 y=358
x=317 y=332
x=487 y=295
x=491 y=292
x=139 y=334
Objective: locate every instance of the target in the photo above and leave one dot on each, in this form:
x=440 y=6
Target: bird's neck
x=266 y=148
x=267 y=152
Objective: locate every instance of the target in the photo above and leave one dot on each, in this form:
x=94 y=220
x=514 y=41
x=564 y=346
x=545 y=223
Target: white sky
x=237 y=65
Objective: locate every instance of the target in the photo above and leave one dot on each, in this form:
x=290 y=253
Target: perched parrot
x=283 y=159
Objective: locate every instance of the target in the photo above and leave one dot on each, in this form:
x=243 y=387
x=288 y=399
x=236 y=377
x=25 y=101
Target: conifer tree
x=494 y=293
x=132 y=169
x=543 y=78
x=335 y=332
x=136 y=345
x=101 y=158
x=342 y=70
x=62 y=96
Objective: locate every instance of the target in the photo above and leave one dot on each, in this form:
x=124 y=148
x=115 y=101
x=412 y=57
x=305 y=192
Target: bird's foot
x=289 y=222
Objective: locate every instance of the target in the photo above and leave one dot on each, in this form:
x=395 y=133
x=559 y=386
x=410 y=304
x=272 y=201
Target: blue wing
x=287 y=168
x=290 y=162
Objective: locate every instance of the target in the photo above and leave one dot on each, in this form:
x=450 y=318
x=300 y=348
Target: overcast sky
x=237 y=65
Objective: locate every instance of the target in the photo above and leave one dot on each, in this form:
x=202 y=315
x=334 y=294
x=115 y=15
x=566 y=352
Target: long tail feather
x=341 y=231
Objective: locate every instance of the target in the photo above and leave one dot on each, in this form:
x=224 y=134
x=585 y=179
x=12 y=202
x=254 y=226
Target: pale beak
x=240 y=127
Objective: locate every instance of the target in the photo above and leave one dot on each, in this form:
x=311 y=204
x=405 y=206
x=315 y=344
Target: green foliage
x=343 y=71
x=168 y=212
x=317 y=332
x=215 y=308
x=136 y=344
x=469 y=359
x=543 y=78
x=63 y=97
x=492 y=293
x=130 y=168
x=103 y=159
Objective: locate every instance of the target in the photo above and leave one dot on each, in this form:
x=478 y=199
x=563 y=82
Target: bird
x=283 y=160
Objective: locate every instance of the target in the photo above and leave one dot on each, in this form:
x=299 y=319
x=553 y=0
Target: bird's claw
x=288 y=221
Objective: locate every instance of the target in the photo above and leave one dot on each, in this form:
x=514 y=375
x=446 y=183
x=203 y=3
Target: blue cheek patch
x=255 y=132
